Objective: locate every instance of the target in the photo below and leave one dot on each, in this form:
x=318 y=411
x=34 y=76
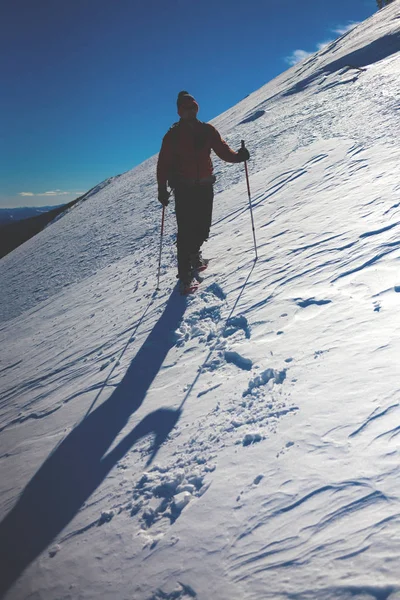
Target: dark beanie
x=185 y=99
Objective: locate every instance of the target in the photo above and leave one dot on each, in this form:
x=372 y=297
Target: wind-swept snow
x=241 y=443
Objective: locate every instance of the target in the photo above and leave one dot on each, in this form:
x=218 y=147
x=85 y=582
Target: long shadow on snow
x=79 y=464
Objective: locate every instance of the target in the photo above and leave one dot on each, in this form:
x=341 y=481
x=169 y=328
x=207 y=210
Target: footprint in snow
x=303 y=303
x=217 y=290
x=235 y=324
x=161 y=494
x=319 y=353
x=183 y=592
x=238 y=360
x=251 y=438
x=203 y=322
x=269 y=375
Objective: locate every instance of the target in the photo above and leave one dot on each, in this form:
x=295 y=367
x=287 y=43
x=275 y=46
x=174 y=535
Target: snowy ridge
x=242 y=442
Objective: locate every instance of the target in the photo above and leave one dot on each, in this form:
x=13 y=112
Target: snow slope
x=241 y=443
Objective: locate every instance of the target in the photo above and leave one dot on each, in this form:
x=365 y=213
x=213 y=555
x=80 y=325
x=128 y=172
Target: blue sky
x=90 y=85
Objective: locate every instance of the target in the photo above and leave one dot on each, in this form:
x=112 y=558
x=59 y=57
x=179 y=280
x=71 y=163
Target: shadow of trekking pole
x=116 y=363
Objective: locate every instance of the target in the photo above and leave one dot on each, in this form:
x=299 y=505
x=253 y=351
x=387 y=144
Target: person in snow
x=184 y=164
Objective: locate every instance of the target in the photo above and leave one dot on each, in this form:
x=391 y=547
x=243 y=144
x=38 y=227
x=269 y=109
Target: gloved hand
x=163 y=196
x=243 y=154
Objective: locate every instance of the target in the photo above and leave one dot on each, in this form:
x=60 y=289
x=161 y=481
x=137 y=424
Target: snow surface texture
x=242 y=443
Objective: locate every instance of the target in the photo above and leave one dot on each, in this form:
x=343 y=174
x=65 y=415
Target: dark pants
x=193 y=207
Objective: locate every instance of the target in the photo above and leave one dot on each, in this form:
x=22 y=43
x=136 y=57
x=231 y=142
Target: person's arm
x=164 y=162
x=163 y=169
x=222 y=149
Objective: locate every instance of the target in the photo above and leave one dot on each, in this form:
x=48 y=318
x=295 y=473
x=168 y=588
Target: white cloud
x=342 y=29
x=323 y=45
x=299 y=55
x=56 y=193
x=50 y=193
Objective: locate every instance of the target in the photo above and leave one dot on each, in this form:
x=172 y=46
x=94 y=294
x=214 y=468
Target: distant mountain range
x=17 y=225
x=10 y=215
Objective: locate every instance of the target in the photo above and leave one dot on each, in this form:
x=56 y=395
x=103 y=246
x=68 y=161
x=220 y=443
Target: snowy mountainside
x=243 y=442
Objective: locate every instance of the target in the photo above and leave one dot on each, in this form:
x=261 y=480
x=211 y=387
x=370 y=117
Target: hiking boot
x=187 y=284
x=198 y=262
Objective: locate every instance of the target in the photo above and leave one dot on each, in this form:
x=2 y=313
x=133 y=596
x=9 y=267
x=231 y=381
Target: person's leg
x=202 y=217
x=207 y=193
x=184 y=220
x=193 y=208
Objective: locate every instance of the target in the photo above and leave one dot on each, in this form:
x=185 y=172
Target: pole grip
x=242 y=145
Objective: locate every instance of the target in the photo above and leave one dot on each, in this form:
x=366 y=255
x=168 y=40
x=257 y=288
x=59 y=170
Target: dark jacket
x=185 y=153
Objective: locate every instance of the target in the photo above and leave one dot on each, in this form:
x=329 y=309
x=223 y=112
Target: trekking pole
x=159 y=258
x=251 y=209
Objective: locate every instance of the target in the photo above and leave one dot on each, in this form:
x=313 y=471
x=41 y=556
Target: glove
x=163 y=196
x=243 y=154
